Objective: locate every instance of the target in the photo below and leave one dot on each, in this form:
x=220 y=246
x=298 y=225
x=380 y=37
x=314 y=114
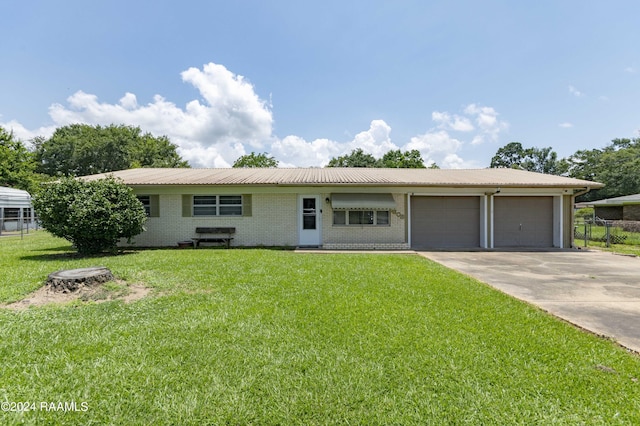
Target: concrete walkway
x=598 y=291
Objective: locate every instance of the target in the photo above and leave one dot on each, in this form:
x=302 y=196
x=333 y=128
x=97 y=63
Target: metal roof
x=10 y=197
x=362 y=201
x=617 y=201
x=345 y=177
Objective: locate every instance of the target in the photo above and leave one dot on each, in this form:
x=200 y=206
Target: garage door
x=445 y=222
x=523 y=221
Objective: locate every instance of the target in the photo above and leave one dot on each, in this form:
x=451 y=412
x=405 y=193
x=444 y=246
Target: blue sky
x=306 y=81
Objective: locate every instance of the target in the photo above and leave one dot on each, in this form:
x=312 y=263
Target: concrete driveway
x=595 y=290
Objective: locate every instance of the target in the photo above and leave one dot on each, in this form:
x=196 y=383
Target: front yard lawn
x=277 y=337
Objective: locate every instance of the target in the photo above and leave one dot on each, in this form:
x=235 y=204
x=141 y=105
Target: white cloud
x=630 y=70
x=24 y=134
x=565 y=125
x=488 y=122
x=375 y=141
x=455 y=122
x=294 y=151
x=230 y=120
x=440 y=148
x=575 y=92
x=207 y=133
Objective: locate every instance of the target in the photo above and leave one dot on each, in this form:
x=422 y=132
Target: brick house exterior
x=337 y=208
x=619 y=208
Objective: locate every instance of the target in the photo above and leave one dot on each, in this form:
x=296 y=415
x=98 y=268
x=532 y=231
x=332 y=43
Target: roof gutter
x=581 y=192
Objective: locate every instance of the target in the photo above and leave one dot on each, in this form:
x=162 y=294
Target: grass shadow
x=71 y=255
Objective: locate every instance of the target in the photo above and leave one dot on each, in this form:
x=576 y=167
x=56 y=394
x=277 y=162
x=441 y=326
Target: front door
x=309 y=222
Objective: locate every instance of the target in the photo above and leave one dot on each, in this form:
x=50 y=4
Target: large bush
x=94 y=215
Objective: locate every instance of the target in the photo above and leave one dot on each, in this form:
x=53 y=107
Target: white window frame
x=373 y=212
x=220 y=208
x=146 y=203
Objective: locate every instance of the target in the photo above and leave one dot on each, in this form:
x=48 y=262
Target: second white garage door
x=445 y=222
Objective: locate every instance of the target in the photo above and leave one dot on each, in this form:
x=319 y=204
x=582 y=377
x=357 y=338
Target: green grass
x=276 y=337
x=631 y=244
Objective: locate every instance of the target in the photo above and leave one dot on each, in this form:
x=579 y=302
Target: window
x=230 y=205
x=217 y=205
x=11 y=213
x=361 y=217
x=309 y=217
x=382 y=217
x=151 y=204
x=146 y=203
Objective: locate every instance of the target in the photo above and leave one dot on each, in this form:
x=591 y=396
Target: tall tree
x=392 y=159
x=402 y=160
x=541 y=160
x=617 y=166
x=17 y=165
x=81 y=149
x=357 y=158
x=254 y=160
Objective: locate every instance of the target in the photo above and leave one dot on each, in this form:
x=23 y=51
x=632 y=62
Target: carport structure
x=15 y=209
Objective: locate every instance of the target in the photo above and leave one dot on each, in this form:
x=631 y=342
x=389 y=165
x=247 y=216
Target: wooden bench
x=214 y=235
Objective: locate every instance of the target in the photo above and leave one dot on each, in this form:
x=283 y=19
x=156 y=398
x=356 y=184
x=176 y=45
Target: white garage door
x=445 y=222
x=523 y=221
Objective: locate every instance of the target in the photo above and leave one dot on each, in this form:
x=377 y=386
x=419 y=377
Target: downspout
x=579 y=193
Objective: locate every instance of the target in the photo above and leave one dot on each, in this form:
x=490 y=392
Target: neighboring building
x=618 y=208
x=358 y=208
x=16 y=210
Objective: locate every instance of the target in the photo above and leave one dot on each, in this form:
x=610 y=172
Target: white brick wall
x=366 y=236
x=274 y=222
x=366 y=246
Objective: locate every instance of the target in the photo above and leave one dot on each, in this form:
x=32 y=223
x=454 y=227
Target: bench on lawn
x=214 y=235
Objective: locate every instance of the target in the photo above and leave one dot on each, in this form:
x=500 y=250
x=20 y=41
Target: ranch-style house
x=357 y=208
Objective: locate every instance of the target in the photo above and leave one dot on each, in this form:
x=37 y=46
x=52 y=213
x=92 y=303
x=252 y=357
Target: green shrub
x=585 y=213
x=94 y=215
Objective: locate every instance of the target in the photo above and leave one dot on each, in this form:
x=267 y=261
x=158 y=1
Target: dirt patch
x=113 y=290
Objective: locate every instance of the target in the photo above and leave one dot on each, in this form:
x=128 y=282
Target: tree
x=402 y=160
x=357 y=158
x=17 y=164
x=541 y=160
x=81 y=149
x=392 y=159
x=254 y=160
x=93 y=215
x=149 y=151
x=617 y=166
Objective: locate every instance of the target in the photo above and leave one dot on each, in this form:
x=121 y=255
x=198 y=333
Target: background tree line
x=617 y=165
x=79 y=150
x=82 y=149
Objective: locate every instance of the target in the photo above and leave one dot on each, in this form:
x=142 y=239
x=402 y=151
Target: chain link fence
x=11 y=226
x=607 y=231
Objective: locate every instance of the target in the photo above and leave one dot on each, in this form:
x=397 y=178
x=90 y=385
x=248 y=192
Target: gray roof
x=10 y=197
x=346 y=177
x=617 y=201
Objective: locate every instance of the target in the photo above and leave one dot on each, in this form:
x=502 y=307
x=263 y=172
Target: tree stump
x=70 y=280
